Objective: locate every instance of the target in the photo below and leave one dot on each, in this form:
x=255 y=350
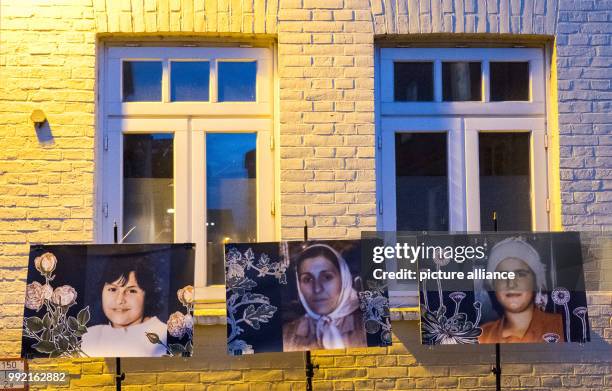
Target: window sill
x=217 y=316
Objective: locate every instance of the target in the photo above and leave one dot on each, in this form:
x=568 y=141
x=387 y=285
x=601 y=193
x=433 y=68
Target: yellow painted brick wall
x=326 y=78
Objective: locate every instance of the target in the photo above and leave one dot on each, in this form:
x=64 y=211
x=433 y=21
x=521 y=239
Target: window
x=461 y=135
x=189 y=81
x=421 y=164
x=413 y=81
x=461 y=81
x=187 y=150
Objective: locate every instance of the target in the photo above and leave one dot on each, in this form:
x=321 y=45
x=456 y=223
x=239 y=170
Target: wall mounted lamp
x=38 y=117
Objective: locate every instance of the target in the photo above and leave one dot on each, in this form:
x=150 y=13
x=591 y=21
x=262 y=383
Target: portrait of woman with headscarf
x=519 y=302
x=331 y=316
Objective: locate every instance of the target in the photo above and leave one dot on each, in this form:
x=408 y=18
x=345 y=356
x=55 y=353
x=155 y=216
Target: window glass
x=189 y=80
x=421 y=181
x=509 y=81
x=237 y=81
x=461 y=81
x=504 y=181
x=413 y=81
x=142 y=81
x=231 y=198
x=148 y=180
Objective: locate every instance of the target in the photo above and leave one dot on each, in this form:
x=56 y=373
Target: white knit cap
x=515 y=247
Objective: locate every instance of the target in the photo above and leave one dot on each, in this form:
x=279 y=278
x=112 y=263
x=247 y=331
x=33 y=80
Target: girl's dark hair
x=317 y=251
x=146 y=277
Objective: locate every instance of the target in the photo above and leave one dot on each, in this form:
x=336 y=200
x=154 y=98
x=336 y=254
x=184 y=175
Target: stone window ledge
x=217 y=316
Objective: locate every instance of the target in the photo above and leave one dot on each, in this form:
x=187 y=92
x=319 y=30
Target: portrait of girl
x=328 y=314
x=130 y=299
x=520 y=302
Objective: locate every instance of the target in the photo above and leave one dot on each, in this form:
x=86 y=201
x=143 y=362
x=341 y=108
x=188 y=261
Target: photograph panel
x=109 y=301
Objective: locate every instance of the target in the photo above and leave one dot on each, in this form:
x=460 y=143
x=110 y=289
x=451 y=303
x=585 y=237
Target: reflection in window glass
x=237 y=81
x=421 y=181
x=189 y=80
x=148 y=196
x=509 y=81
x=231 y=200
x=142 y=81
x=504 y=181
x=461 y=81
x=413 y=81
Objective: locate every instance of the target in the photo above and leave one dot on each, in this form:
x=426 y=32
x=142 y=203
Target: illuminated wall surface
x=327 y=165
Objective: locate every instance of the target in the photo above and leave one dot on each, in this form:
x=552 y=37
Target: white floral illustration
x=375 y=306
x=179 y=325
x=243 y=306
x=581 y=312
x=440 y=329
x=56 y=333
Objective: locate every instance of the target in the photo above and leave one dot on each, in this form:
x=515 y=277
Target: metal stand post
x=119 y=376
x=497 y=368
x=310 y=367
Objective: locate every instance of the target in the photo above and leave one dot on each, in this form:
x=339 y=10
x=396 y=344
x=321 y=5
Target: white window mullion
x=486 y=80
x=214 y=82
x=437 y=78
x=165 y=87
x=198 y=203
x=456 y=177
x=111 y=210
x=388 y=185
x=472 y=180
x=181 y=188
x=539 y=183
x=265 y=187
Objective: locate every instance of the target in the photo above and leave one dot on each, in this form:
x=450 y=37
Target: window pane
x=509 y=81
x=421 y=181
x=504 y=181
x=142 y=81
x=461 y=81
x=189 y=80
x=237 y=81
x=231 y=199
x=413 y=81
x=148 y=196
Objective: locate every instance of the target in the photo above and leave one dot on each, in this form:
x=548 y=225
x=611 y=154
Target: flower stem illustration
x=179 y=325
x=243 y=306
x=581 y=313
x=56 y=333
x=561 y=296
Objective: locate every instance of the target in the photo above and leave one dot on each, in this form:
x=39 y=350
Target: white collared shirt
x=132 y=341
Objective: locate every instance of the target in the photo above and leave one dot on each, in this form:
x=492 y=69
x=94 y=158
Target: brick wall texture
x=327 y=160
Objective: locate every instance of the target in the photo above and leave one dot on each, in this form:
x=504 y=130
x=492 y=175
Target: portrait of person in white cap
x=520 y=301
x=332 y=318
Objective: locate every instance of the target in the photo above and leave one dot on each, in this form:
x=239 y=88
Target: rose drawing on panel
x=56 y=333
x=179 y=324
x=64 y=295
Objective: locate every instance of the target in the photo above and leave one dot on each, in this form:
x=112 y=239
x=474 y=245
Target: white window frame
x=189 y=122
x=462 y=122
x=536 y=104
x=262 y=105
x=536 y=127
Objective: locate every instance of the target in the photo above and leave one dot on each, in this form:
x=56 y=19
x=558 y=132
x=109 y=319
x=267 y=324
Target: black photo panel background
x=253 y=273
x=64 y=290
x=262 y=295
x=468 y=305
